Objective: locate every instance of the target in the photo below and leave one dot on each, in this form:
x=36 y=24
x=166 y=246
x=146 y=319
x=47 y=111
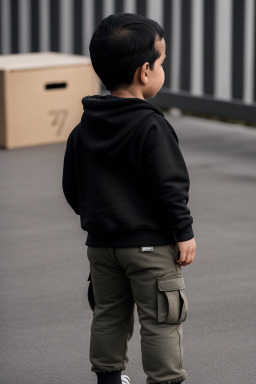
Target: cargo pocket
x=171 y=300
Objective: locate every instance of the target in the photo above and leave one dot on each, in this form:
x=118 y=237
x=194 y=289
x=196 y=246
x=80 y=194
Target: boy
x=125 y=176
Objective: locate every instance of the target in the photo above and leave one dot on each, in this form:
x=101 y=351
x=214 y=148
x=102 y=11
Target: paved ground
x=45 y=318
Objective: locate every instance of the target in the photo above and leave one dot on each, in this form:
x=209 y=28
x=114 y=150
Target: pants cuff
x=109 y=377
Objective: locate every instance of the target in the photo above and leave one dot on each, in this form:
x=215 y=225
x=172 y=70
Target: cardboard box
x=40 y=96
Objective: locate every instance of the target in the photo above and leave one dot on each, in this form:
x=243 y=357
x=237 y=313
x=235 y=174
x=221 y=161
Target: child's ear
x=144 y=73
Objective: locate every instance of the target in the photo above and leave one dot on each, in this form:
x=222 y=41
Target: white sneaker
x=125 y=379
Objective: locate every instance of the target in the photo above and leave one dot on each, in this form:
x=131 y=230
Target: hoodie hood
x=108 y=122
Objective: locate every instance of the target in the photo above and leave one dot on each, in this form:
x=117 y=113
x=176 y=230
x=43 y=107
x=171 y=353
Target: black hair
x=121 y=43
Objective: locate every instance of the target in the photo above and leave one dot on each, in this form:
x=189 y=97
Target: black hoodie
x=125 y=176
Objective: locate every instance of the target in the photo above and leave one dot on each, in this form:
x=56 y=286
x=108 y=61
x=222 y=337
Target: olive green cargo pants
x=153 y=280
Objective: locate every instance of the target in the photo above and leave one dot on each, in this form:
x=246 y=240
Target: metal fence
x=211 y=44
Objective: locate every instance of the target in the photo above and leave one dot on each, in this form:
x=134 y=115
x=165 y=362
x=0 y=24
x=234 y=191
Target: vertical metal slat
x=35 y=25
x=197 y=47
x=238 y=49
x=119 y=6
x=167 y=12
x=208 y=47
x=141 y=7
x=55 y=25
x=185 y=63
x=77 y=23
x=15 y=26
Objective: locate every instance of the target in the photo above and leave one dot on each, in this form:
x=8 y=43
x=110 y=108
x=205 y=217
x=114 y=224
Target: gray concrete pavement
x=45 y=318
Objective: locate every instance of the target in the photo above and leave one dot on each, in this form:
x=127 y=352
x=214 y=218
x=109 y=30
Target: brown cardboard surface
x=2 y=110
x=32 y=114
x=34 y=60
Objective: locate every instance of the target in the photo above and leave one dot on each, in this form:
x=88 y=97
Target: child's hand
x=187 y=252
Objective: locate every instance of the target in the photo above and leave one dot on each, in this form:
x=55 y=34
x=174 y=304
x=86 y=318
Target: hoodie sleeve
x=69 y=178
x=168 y=178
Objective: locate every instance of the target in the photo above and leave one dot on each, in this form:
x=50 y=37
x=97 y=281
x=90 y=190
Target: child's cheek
x=163 y=77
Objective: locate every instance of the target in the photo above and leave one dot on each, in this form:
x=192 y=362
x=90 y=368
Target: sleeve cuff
x=184 y=234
